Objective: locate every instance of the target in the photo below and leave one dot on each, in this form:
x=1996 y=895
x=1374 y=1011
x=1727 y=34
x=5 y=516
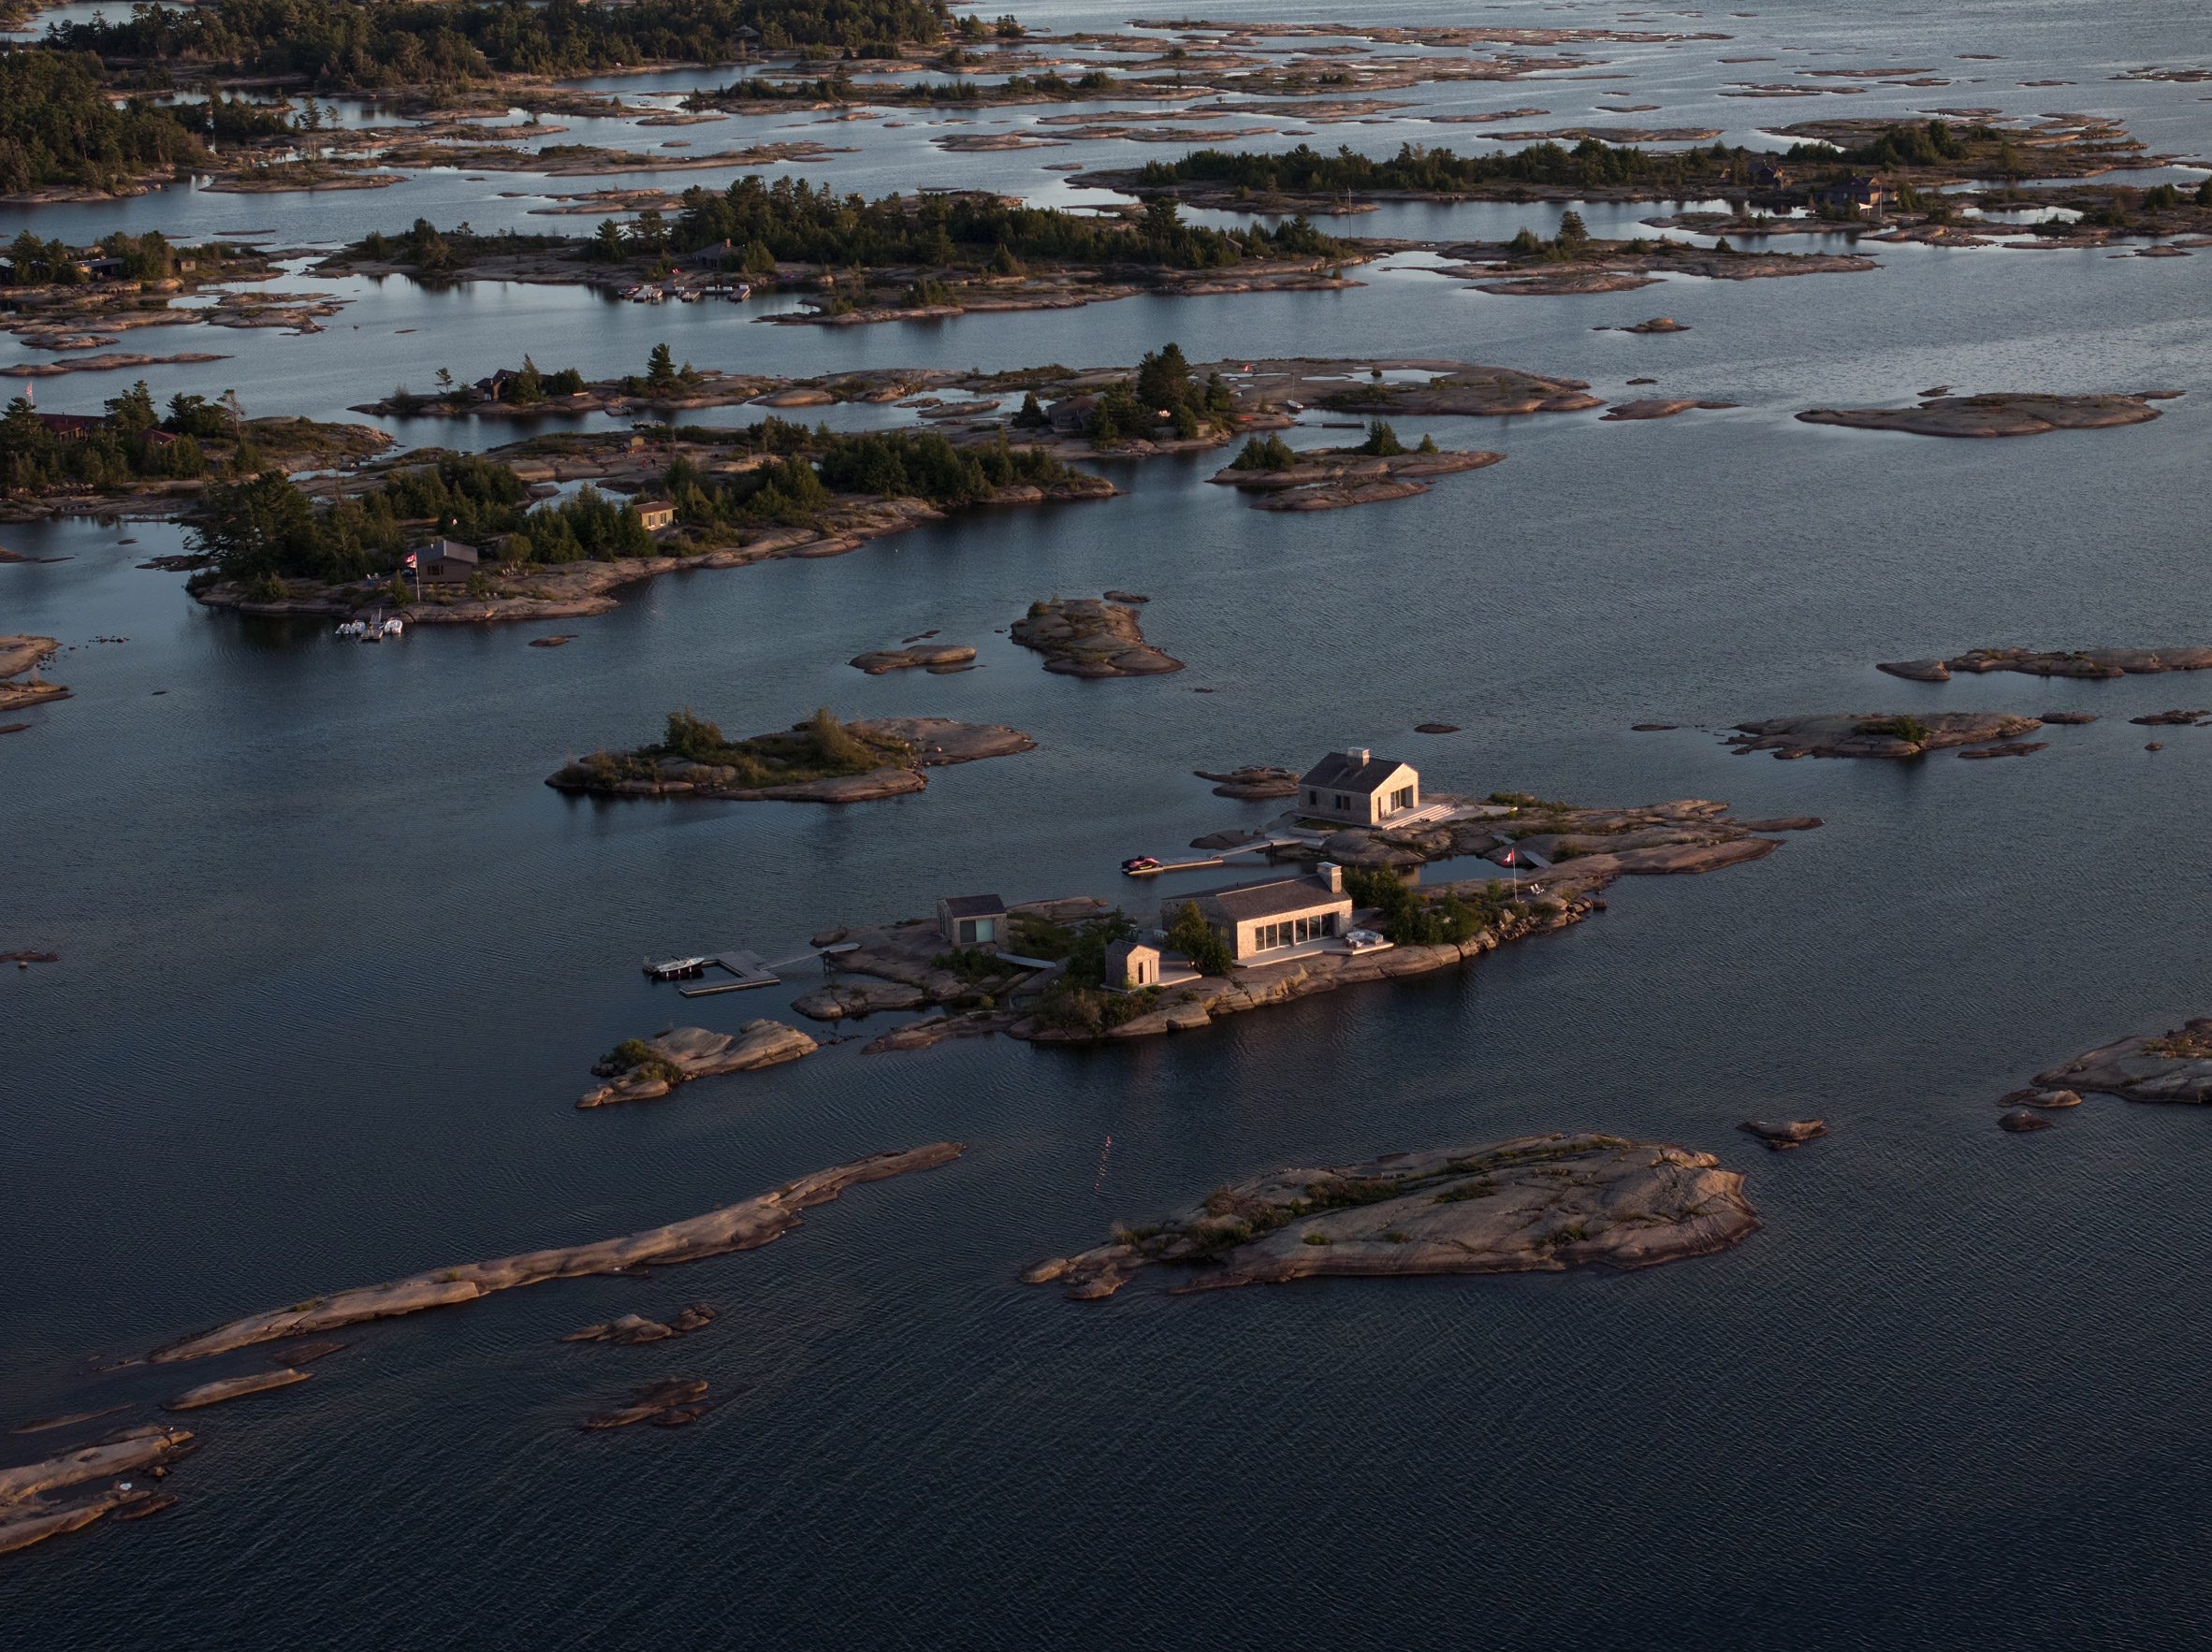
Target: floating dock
x=746 y=968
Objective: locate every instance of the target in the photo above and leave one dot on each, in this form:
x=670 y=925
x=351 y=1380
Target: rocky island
x=1090 y=637
x=644 y=1069
x=1335 y=478
x=2174 y=1065
x=2095 y=664
x=1997 y=414
x=743 y=1227
x=1052 y=984
x=819 y=761
x=1874 y=734
x=1532 y=1204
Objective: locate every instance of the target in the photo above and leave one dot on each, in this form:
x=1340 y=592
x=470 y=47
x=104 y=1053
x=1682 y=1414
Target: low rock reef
x=820 y=761
x=2095 y=664
x=633 y=1330
x=86 y=1480
x=1532 y=1204
x=938 y=658
x=1337 y=478
x=1997 y=414
x=1886 y=735
x=20 y=657
x=743 y=1227
x=643 y=1069
x=1089 y=637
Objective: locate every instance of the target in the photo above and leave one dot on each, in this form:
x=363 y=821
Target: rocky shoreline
x=1531 y=1204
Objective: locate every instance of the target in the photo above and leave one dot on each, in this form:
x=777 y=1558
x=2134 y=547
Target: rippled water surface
x=335 y=963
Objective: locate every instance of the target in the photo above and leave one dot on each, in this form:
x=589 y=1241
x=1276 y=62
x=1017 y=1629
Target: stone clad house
x=1359 y=789
x=1273 y=918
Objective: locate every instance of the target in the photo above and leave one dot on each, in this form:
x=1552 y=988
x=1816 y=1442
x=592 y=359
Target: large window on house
x=1401 y=799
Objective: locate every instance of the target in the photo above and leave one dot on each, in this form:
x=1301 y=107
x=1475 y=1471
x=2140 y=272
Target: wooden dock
x=745 y=969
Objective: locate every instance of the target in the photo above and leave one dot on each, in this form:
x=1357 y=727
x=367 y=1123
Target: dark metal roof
x=973 y=907
x=1345 y=773
x=1269 y=896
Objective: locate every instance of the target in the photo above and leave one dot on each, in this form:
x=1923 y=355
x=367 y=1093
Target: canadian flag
x=1504 y=860
x=410 y=558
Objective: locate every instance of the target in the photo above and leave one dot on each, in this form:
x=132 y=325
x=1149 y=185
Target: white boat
x=395 y=628
x=353 y=628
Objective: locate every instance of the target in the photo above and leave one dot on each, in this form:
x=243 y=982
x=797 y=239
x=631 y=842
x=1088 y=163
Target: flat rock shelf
x=1532 y=1204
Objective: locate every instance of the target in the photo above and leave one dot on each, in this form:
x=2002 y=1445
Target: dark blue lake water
x=335 y=963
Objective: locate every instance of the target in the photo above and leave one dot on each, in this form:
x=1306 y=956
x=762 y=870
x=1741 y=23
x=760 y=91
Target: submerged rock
x=1534 y=1203
x=670 y=1402
x=1781 y=1137
x=235 y=1389
x=633 y=1330
x=2021 y=1122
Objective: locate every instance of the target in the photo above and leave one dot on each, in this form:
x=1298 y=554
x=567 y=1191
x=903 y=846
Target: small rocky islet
x=1090 y=637
x=1531 y=1204
x=823 y=760
x=1890 y=736
x=1338 y=478
x=2089 y=664
x=2009 y=413
x=645 y=1069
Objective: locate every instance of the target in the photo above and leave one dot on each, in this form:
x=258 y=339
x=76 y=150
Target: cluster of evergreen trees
x=1164 y=388
x=819 y=463
x=799 y=222
x=121 y=451
x=57 y=127
x=264 y=529
x=1589 y=165
x=365 y=45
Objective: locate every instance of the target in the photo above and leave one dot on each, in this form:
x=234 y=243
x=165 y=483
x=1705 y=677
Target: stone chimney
x=1357 y=753
x=1330 y=873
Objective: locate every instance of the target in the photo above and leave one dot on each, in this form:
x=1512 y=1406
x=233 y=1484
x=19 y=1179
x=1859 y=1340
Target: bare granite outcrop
x=1531 y=1204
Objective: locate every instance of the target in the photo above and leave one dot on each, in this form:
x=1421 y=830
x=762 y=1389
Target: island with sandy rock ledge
x=1531 y=1204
